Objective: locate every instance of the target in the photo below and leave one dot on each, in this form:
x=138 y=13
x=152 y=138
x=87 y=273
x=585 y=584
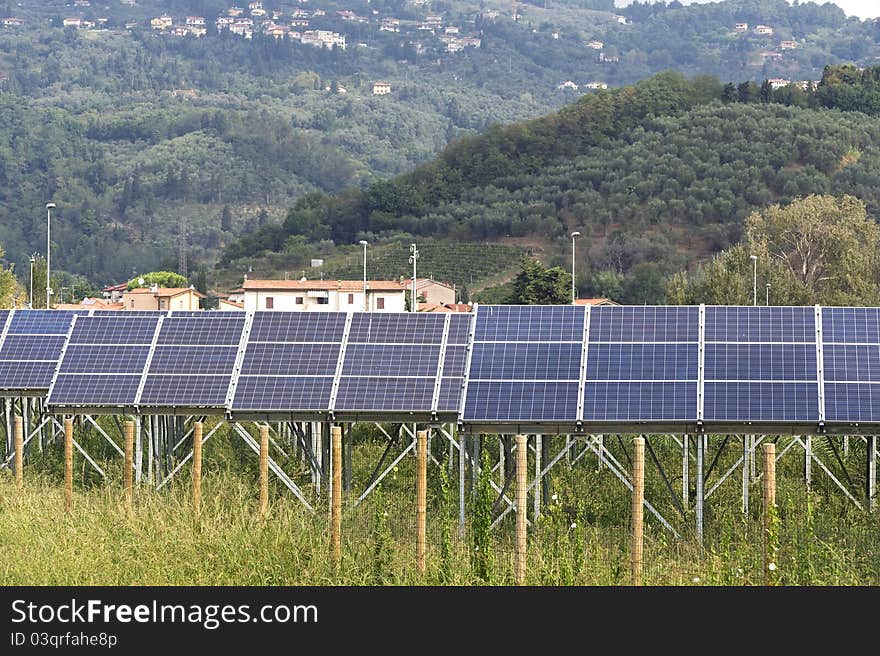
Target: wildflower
x=385 y=514
x=574 y=525
x=772 y=567
x=696 y=579
x=739 y=570
x=554 y=497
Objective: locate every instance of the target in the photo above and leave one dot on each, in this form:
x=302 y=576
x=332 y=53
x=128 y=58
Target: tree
x=537 y=285
x=160 y=278
x=11 y=293
x=226 y=219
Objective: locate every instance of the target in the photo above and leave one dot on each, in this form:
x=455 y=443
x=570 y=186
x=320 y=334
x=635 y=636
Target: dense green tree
x=539 y=285
x=160 y=278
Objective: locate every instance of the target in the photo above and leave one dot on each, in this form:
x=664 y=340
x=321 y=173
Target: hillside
x=655 y=176
x=159 y=142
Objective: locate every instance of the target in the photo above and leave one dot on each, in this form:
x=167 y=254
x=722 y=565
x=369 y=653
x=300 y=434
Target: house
x=161 y=298
x=491 y=15
x=299 y=22
x=197 y=21
x=91 y=303
x=235 y=12
x=444 y=307
x=255 y=5
x=113 y=293
x=596 y=85
x=620 y=19
x=450 y=29
x=381 y=88
x=765 y=30
x=555 y=34
x=323 y=38
x=226 y=305
x=778 y=83
x=595 y=45
x=236 y=295
x=180 y=30
x=72 y=22
x=276 y=14
x=130 y=25
x=434 y=291
x=741 y=27
x=772 y=56
x=12 y=22
x=434 y=21
x=787 y=45
x=324 y=295
x=608 y=59
x=568 y=84
x=347 y=15
x=163 y=22
x=82 y=3
x=595 y=301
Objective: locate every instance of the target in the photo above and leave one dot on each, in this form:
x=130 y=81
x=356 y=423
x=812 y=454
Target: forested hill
x=173 y=139
x=655 y=176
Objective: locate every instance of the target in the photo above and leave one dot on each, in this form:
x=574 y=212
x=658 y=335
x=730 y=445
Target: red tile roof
x=595 y=301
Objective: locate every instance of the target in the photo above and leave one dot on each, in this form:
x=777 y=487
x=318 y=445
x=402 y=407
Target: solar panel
x=851 y=356
x=642 y=364
x=193 y=360
x=31 y=348
x=391 y=363
x=104 y=360
x=525 y=364
x=761 y=364
x=290 y=362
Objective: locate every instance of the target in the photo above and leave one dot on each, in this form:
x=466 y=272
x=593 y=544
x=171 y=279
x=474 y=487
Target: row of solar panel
x=525 y=365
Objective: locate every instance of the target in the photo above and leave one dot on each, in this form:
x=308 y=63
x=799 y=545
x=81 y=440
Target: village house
x=381 y=88
x=161 y=298
x=195 y=21
x=595 y=301
x=82 y=3
x=389 y=25
x=12 y=22
x=741 y=27
x=72 y=22
x=91 y=303
x=765 y=30
x=596 y=85
x=113 y=293
x=163 y=22
x=324 y=295
x=568 y=84
x=778 y=83
x=450 y=29
x=299 y=22
x=444 y=307
x=433 y=291
x=787 y=45
x=492 y=14
x=595 y=45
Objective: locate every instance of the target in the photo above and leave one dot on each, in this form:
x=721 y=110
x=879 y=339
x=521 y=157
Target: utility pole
x=413 y=258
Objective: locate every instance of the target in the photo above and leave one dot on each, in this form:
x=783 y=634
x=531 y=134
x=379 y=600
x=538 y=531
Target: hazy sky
x=861 y=8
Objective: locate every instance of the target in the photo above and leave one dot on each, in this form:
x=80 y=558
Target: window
x=380 y=303
x=351 y=299
x=299 y=300
x=323 y=300
x=270 y=303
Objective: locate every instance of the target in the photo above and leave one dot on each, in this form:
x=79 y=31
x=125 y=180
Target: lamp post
x=33 y=262
x=364 y=243
x=754 y=259
x=574 y=236
x=768 y=294
x=413 y=258
x=49 y=208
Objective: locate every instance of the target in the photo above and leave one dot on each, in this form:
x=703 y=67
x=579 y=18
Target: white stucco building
x=324 y=295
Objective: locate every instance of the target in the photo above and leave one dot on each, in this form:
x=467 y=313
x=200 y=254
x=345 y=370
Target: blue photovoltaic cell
x=208 y=329
x=385 y=394
x=852 y=362
x=193 y=360
x=114 y=330
x=761 y=401
x=290 y=359
x=846 y=325
x=644 y=324
x=32 y=347
x=185 y=390
x=852 y=402
x=292 y=393
x=87 y=359
x=391 y=360
x=642 y=362
x=760 y=324
x=520 y=401
x=529 y=361
x=459 y=327
x=731 y=362
x=41 y=322
x=450 y=395
x=26 y=375
x=94 y=390
x=454 y=360
x=297 y=327
x=640 y=401
x=530 y=323
x=396 y=328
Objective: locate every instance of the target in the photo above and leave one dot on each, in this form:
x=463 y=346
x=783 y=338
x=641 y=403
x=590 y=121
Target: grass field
x=582 y=537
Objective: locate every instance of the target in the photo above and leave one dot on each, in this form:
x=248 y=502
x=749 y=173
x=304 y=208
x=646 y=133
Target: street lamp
x=33 y=261
x=574 y=236
x=754 y=259
x=364 y=243
x=413 y=258
x=768 y=294
x=49 y=208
